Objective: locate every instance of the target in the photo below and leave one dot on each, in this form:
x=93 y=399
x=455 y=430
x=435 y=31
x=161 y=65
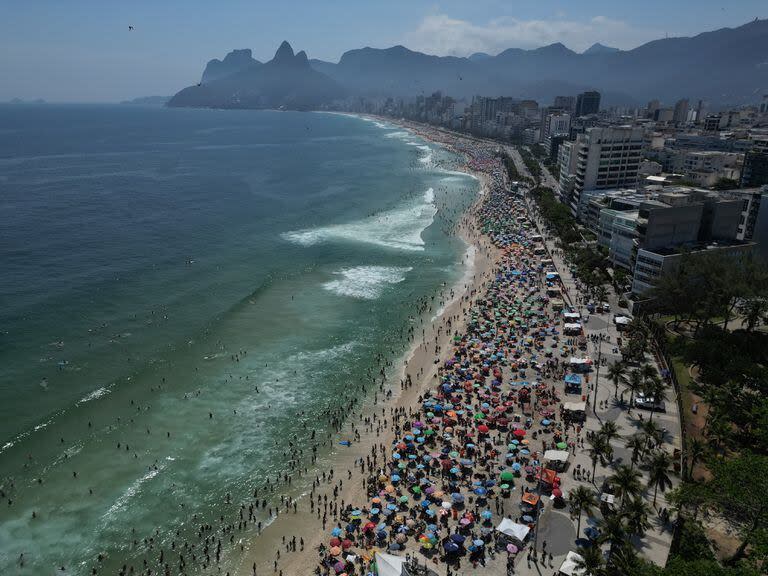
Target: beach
x=471 y=459
x=412 y=375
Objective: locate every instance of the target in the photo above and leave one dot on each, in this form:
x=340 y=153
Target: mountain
x=725 y=67
x=147 y=101
x=598 y=48
x=287 y=81
x=235 y=61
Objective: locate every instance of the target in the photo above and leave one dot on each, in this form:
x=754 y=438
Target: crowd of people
x=471 y=457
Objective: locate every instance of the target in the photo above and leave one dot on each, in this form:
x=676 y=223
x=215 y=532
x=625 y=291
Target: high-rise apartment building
x=587 y=103
x=598 y=159
x=680 y=115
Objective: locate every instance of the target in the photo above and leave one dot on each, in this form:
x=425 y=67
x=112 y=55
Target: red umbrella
x=346 y=544
x=519 y=433
x=557 y=493
x=483 y=429
x=335 y=542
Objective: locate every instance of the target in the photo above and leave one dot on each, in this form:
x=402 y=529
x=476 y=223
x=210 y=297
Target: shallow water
x=186 y=291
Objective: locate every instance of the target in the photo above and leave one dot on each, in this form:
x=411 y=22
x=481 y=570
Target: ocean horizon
x=193 y=301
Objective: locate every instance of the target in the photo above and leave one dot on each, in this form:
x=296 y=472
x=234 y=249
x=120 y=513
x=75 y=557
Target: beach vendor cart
x=569 y=567
x=573 y=384
x=556 y=459
x=577 y=411
x=580 y=365
x=572 y=328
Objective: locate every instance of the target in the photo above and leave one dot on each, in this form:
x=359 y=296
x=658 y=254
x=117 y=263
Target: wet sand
x=420 y=363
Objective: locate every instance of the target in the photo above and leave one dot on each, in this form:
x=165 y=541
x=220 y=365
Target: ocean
x=187 y=296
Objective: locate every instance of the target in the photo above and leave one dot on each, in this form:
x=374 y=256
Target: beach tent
x=552 y=275
x=572 y=382
x=557 y=304
x=572 y=326
x=621 y=320
x=571 y=315
x=390 y=565
x=568 y=567
x=556 y=455
x=513 y=529
x=575 y=406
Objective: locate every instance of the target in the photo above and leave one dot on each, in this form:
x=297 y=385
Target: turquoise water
x=183 y=293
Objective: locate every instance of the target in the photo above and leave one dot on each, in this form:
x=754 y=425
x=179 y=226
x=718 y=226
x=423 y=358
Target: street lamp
x=597 y=372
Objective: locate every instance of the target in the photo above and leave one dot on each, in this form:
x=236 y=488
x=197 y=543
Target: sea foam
x=365 y=282
x=398 y=229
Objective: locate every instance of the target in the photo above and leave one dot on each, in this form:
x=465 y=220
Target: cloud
x=442 y=35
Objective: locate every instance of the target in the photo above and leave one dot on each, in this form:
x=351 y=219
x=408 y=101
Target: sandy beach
x=419 y=362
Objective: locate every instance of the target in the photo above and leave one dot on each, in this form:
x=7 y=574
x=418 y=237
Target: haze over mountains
x=725 y=67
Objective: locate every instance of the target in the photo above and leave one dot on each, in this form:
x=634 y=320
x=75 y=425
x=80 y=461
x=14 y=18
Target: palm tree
x=609 y=431
x=624 y=560
x=718 y=432
x=617 y=373
x=636 y=513
x=598 y=452
x=591 y=561
x=658 y=468
x=636 y=443
x=696 y=452
x=755 y=312
x=656 y=389
x=635 y=384
x=613 y=531
x=627 y=481
x=582 y=501
x=652 y=433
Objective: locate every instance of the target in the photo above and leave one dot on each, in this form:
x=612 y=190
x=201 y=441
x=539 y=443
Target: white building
x=598 y=159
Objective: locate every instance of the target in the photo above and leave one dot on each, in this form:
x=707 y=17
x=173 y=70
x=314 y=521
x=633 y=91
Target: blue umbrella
x=458 y=538
x=480 y=491
x=478 y=543
x=450 y=547
x=336 y=531
x=487 y=514
x=395 y=478
x=457 y=497
x=375 y=511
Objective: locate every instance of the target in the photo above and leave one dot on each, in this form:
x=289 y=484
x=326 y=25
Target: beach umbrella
x=458 y=538
x=457 y=497
x=356 y=512
x=446 y=505
x=335 y=542
x=374 y=511
x=480 y=491
x=395 y=478
x=334 y=550
x=562 y=445
x=451 y=547
x=336 y=531
x=507 y=475
x=346 y=544
x=487 y=514
x=511 y=548
x=557 y=493
x=519 y=432
x=339 y=567
x=479 y=543
x=504 y=486
x=403 y=499
x=527 y=518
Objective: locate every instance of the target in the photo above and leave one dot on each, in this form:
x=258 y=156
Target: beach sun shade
x=513 y=529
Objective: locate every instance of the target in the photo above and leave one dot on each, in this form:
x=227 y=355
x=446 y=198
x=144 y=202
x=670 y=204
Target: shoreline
x=417 y=361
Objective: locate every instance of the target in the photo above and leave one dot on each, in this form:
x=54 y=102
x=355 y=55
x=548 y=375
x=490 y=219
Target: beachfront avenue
x=513 y=446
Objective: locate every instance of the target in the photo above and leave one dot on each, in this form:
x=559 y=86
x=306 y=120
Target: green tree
x=599 y=451
x=582 y=500
x=617 y=373
x=636 y=513
x=696 y=451
x=738 y=488
x=612 y=530
x=627 y=481
x=634 y=384
x=658 y=468
x=636 y=443
x=591 y=562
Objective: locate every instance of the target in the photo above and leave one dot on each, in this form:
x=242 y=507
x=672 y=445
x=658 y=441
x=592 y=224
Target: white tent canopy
x=390 y=565
x=575 y=360
x=575 y=406
x=556 y=455
x=568 y=567
x=572 y=326
x=513 y=529
x=622 y=320
x=575 y=315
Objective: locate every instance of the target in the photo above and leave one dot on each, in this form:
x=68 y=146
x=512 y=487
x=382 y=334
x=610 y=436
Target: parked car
x=649 y=404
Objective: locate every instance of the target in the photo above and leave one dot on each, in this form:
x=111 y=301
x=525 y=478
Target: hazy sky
x=81 y=50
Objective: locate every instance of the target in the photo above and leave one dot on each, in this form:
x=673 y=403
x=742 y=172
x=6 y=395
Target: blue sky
x=81 y=50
